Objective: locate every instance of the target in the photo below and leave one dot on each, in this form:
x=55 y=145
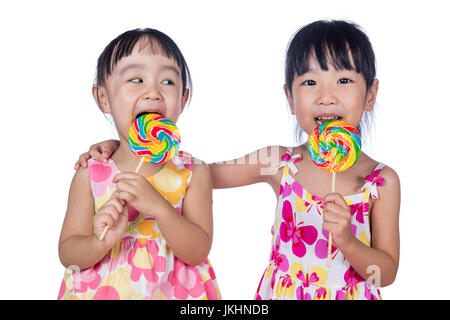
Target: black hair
x=124 y=44
x=329 y=42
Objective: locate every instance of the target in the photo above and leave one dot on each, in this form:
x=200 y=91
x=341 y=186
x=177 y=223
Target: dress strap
x=101 y=177
x=184 y=162
x=288 y=161
x=372 y=181
x=183 y=158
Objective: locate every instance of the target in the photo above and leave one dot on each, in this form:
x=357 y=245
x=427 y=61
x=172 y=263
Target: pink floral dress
x=141 y=265
x=297 y=268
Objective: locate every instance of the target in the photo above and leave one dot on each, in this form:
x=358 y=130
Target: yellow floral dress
x=141 y=265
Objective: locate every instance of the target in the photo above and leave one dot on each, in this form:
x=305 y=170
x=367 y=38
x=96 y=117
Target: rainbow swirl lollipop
x=154 y=138
x=334 y=146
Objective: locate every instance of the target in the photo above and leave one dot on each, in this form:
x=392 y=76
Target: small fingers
x=105 y=153
x=334 y=208
x=116 y=202
x=103 y=150
x=107 y=147
x=126 y=175
x=332 y=217
x=109 y=214
x=103 y=221
x=126 y=196
x=125 y=186
x=337 y=198
x=82 y=161
x=328 y=226
x=116 y=196
x=97 y=155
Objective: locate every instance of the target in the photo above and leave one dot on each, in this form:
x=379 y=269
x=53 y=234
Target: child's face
x=318 y=96
x=142 y=82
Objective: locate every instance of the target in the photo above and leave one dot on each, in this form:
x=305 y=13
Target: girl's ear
x=101 y=98
x=289 y=98
x=184 y=99
x=371 y=96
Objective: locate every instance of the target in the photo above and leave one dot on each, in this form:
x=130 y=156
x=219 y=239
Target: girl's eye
x=344 y=81
x=137 y=80
x=167 y=82
x=309 y=83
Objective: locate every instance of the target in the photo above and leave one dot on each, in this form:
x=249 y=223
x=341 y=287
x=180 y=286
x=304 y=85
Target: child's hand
x=138 y=192
x=113 y=214
x=337 y=219
x=101 y=151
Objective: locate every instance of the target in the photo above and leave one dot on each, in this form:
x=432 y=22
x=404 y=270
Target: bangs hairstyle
x=329 y=42
x=153 y=40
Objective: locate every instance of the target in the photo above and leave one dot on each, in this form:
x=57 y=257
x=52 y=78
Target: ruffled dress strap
x=183 y=157
x=288 y=161
x=373 y=180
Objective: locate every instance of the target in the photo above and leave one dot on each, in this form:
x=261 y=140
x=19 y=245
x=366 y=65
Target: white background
x=235 y=50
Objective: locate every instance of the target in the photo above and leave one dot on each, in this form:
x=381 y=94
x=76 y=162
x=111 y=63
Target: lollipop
x=152 y=138
x=334 y=146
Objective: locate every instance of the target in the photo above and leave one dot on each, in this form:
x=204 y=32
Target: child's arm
x=77 y=244
x=258 y=166
x=383 y=255
x=189 y=235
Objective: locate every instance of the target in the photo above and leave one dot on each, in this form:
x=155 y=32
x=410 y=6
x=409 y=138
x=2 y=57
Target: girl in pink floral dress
x=329 y=75
x=159 y=233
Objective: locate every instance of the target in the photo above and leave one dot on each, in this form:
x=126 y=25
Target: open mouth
x=323 y=119
x=145 y=112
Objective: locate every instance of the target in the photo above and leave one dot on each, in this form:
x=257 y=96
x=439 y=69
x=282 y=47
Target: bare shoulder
x=269 y=170
x=266 y=160
x=270 y=156
x=391 y=180
x=197 y=204
x=388 y=174
x=389 y=192
x=80 y=181
x=80 y=194
x=80 y=206
x=199 y=166
x=200 y=171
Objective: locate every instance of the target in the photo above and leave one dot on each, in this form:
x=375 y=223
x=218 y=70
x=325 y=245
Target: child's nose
x=152 y=93
x=327 y=97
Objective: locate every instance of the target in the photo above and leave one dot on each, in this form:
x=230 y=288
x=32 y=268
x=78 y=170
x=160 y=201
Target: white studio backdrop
x=235 y=51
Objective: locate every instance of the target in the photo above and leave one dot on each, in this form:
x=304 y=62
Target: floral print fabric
x=141 y=265
x=297 y=268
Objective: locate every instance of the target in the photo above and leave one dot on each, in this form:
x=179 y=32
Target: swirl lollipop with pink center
x=154 y=139
x=334 y=146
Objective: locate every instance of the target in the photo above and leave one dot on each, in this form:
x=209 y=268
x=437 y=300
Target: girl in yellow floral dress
x=159 y=234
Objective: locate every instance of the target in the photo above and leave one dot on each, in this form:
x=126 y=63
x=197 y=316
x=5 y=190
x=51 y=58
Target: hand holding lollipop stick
x=334 y=146
x=154 y=139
